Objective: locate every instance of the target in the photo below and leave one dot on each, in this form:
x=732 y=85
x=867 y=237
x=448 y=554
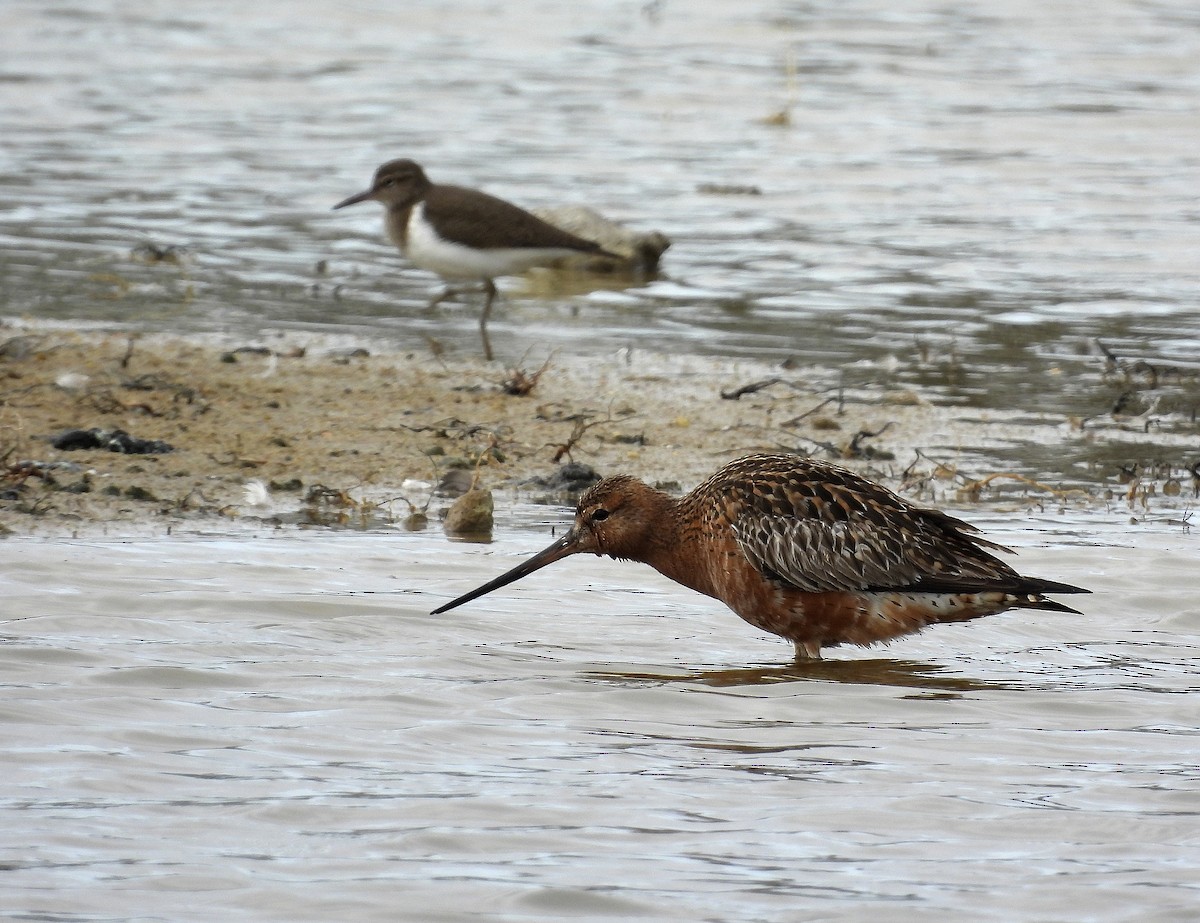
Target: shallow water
x=979 y=195
x=269 y=726
x=273 y=727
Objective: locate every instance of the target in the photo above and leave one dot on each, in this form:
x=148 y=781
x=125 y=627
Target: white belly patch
x=454 y=261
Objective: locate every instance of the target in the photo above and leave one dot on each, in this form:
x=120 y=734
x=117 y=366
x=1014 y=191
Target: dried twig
x=129 y=344
x=975 y=488
x=582 y=425
x=520 y=384
x=751 y=388
x=808 y=413
x=854 y=450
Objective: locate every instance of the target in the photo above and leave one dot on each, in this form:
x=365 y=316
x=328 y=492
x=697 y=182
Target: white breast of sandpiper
x=454 y=261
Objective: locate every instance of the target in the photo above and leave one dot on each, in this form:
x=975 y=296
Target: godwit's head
x=618 y=517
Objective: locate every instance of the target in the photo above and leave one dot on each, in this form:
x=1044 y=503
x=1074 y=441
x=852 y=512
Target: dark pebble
x=573 y=477
x=455 y=482
x=116 y=440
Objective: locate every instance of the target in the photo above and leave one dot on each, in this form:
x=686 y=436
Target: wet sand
x=308 y=428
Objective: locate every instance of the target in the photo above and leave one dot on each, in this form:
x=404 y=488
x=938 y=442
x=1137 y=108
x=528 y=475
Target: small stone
x=455 y=482
x=470 y=514
x=902 y=398
x=572 y=477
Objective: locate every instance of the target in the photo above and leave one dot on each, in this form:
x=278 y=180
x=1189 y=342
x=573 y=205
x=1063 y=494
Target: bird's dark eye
x=599 y=515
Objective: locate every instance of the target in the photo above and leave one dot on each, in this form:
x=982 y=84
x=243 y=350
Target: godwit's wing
x=821 y=529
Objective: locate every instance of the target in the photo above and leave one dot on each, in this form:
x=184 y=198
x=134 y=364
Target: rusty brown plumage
x=803 y=549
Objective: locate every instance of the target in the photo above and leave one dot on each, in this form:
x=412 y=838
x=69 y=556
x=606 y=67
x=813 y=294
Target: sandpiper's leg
x=453 y=292
x=447 y=292
x=489 y=287
x=808 y=650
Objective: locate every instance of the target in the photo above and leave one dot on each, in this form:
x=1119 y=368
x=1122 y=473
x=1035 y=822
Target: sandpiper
x=803 y=549
x=465 y=234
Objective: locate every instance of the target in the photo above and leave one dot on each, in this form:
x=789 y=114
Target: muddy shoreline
x=295 y=429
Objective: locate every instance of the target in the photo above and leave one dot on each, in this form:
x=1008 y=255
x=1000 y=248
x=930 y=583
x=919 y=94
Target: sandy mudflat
x=293 y=428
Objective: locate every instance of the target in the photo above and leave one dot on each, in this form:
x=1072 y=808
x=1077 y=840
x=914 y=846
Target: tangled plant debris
x=344 y=436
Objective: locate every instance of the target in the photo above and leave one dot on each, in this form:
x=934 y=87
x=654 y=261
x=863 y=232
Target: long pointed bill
x=355 y=199
x=568 y=544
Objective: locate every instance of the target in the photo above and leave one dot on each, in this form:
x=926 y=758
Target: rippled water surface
x=992 y=189
x=274 y=728
x=974 y=199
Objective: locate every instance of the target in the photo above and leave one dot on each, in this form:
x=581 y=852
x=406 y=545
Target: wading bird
x=803 y=549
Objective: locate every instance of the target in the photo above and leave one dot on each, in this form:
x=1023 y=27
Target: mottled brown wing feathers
x=818 y=557
x=821 y=528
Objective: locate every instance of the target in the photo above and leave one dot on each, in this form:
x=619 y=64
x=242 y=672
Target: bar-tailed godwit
x=800 y=548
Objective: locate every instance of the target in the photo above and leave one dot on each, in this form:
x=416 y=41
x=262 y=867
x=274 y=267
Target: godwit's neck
x=674 y=548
